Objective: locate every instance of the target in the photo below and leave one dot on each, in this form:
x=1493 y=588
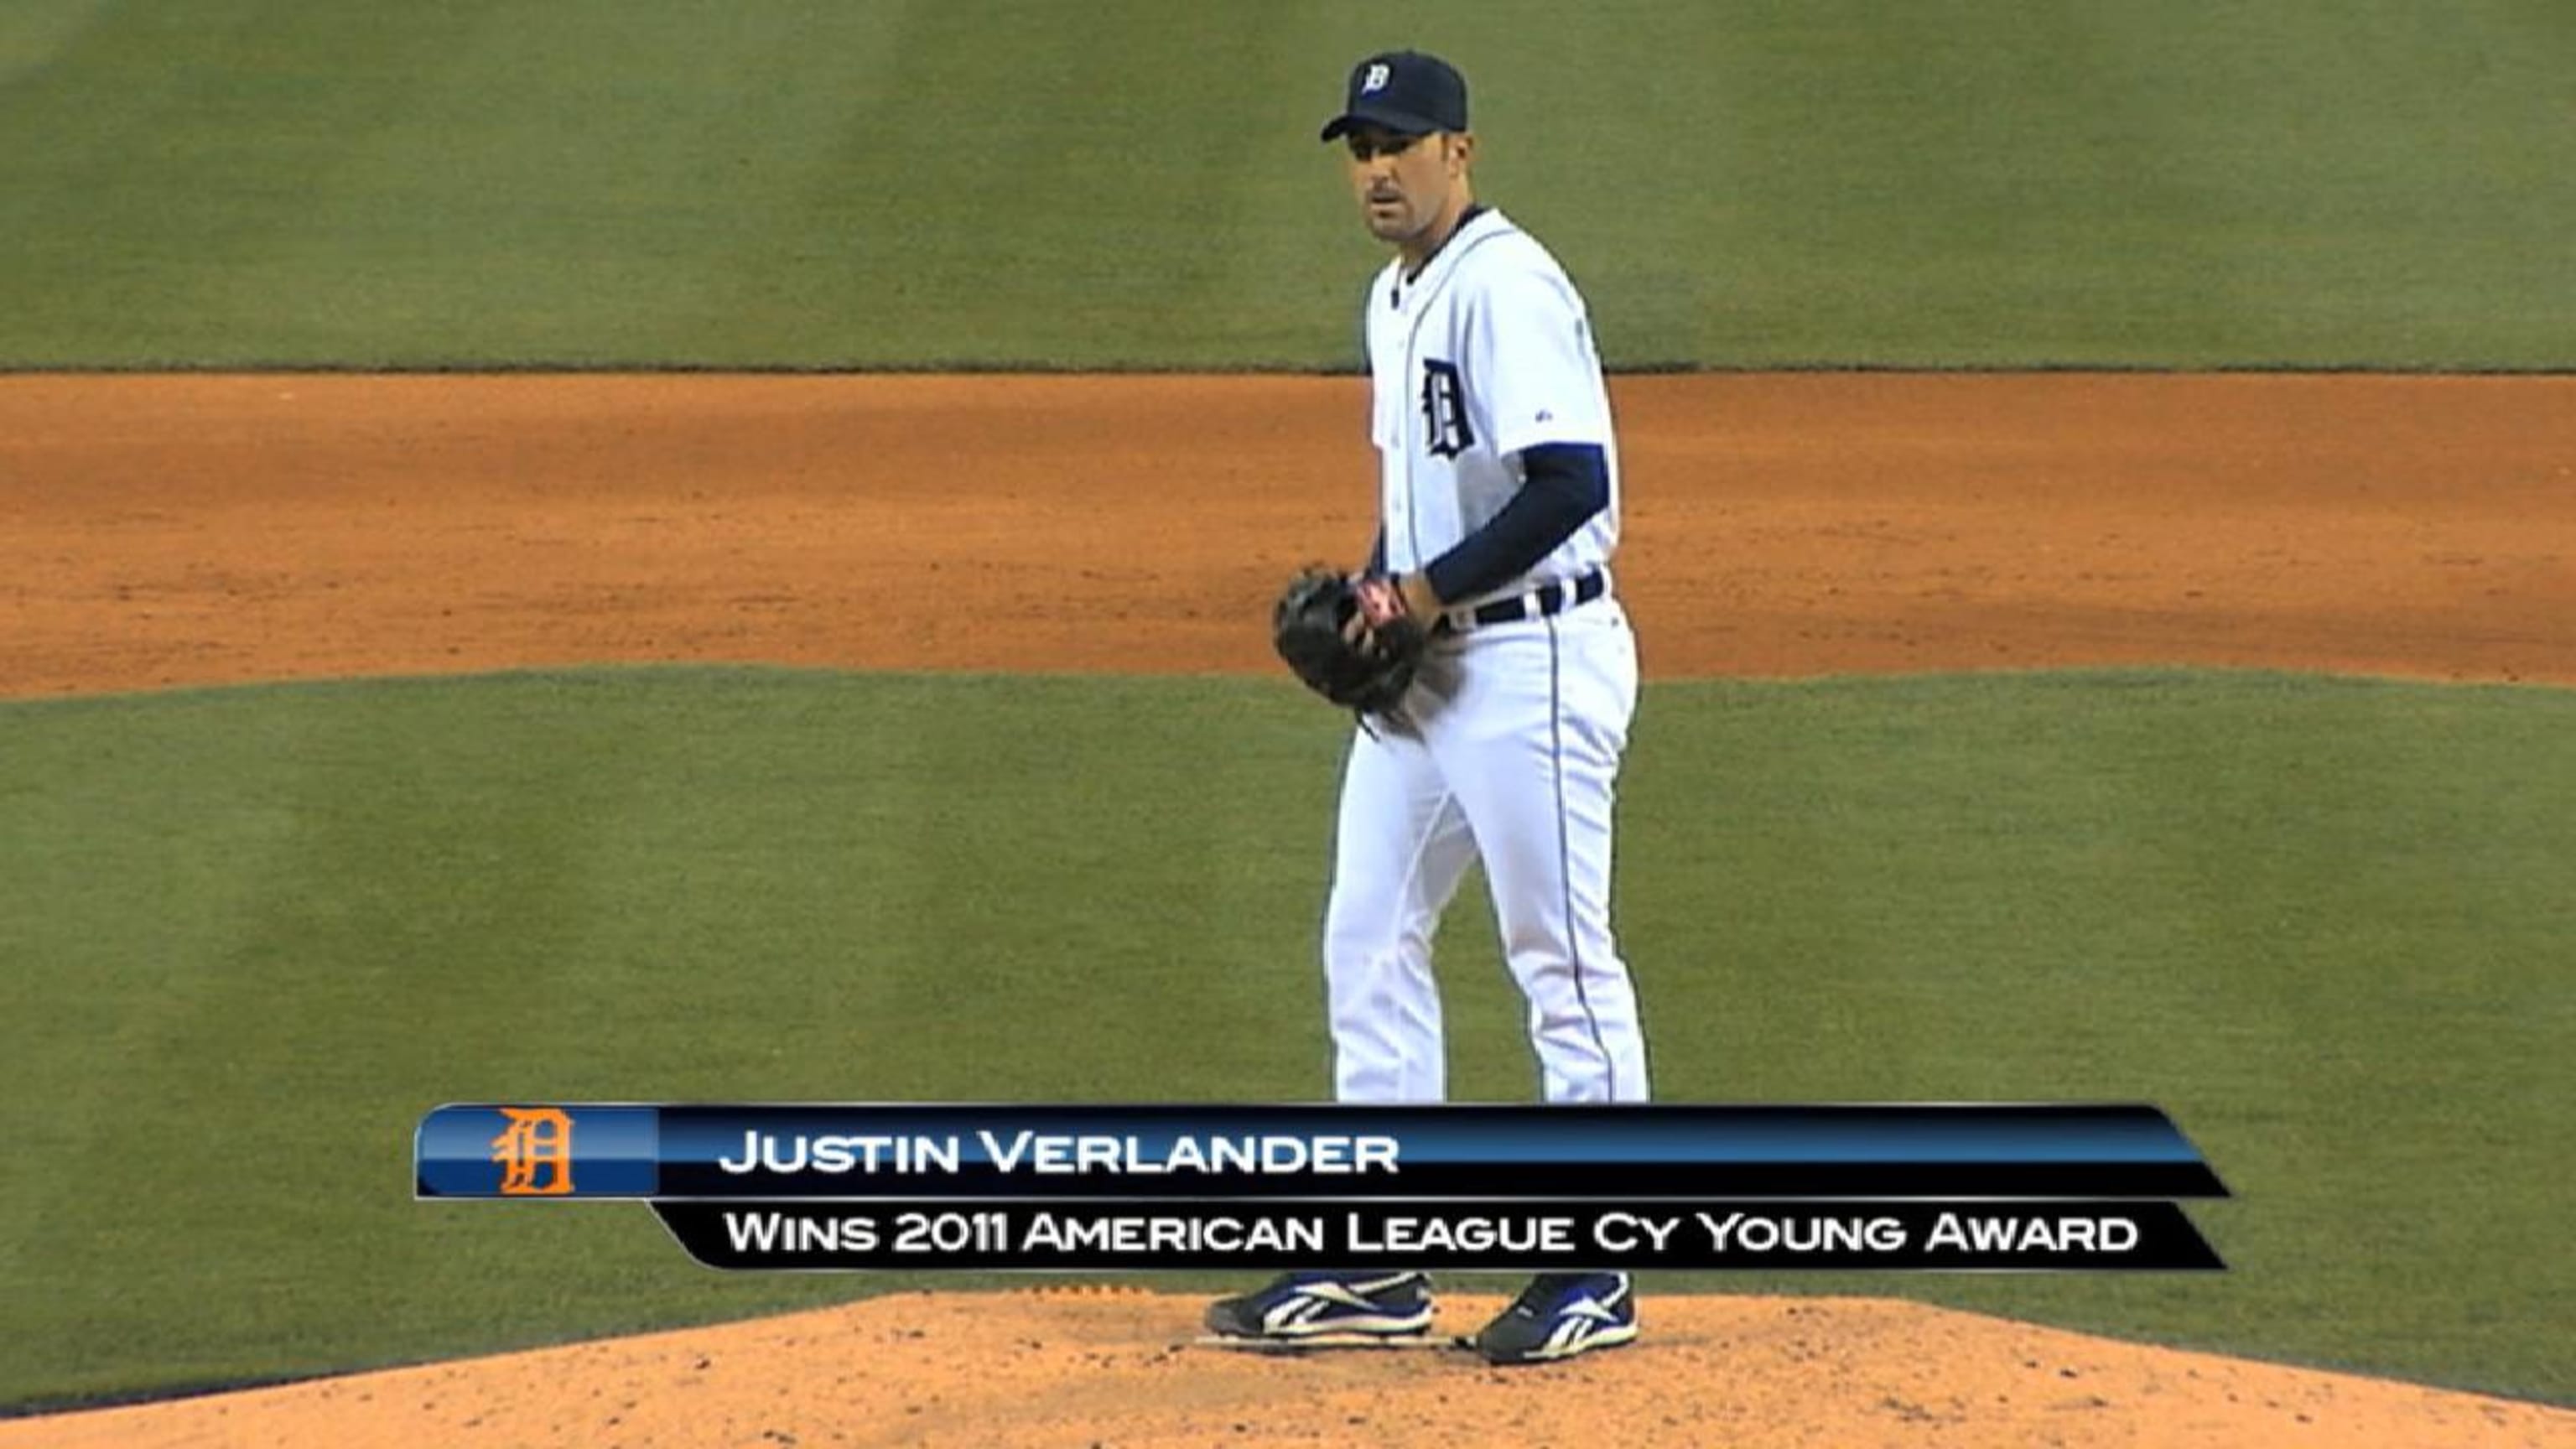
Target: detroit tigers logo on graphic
x=1375 y=80
x=1444 y=409
x=535 y=1152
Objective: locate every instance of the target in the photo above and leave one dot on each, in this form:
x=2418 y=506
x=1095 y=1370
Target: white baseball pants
x=1509 y=750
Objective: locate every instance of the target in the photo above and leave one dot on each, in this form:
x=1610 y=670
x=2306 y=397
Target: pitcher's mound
x=1124 y=1369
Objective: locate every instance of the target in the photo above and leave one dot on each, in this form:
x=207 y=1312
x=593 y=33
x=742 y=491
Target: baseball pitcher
x=1494 y=675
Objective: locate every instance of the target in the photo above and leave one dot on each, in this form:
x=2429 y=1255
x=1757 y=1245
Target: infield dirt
x=205 y=530
x=199 y=530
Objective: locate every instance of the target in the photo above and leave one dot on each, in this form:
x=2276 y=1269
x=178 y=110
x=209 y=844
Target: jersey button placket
x=1408 y=299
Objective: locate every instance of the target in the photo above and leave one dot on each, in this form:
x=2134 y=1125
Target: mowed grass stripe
x=898 y=184
x=250 y=935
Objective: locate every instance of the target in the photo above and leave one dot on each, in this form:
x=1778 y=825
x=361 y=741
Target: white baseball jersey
x=1487 y=352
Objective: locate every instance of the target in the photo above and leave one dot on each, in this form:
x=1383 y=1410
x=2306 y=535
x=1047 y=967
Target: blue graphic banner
x=1343 y=1152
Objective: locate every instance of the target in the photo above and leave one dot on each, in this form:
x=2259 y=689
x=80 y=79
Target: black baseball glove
x=1349 y=639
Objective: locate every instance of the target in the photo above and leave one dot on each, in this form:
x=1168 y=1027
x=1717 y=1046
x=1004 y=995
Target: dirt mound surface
x=1002 y=1371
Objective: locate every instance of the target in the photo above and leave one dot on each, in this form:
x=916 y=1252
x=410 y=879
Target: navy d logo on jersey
x=1444 y=410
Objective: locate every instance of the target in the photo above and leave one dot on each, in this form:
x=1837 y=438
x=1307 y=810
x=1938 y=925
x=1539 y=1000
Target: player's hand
x=1382 y=602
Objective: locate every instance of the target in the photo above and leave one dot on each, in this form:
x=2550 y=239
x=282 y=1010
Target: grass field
x=1755 y=183
x=2322 y=922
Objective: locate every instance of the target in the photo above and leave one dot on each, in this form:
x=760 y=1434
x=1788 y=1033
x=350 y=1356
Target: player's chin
x=1388 y=223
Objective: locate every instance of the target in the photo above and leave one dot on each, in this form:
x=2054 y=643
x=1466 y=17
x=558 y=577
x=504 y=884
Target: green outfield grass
x=2381 y=183
x=251 y=935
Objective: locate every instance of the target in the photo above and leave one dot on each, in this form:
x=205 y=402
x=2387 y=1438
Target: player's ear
x=1462 y=149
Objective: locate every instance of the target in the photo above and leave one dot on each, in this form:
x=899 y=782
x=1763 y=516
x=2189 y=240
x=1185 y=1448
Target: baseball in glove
x=1349 y=639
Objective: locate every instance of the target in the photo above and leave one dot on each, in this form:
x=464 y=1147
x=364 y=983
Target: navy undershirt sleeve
x=1562 y=486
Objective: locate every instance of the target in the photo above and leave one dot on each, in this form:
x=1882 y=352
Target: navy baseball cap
x=1406 y=92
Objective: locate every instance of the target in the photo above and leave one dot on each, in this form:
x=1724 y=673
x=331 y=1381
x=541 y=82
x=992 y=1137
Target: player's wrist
x=1419 y=599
